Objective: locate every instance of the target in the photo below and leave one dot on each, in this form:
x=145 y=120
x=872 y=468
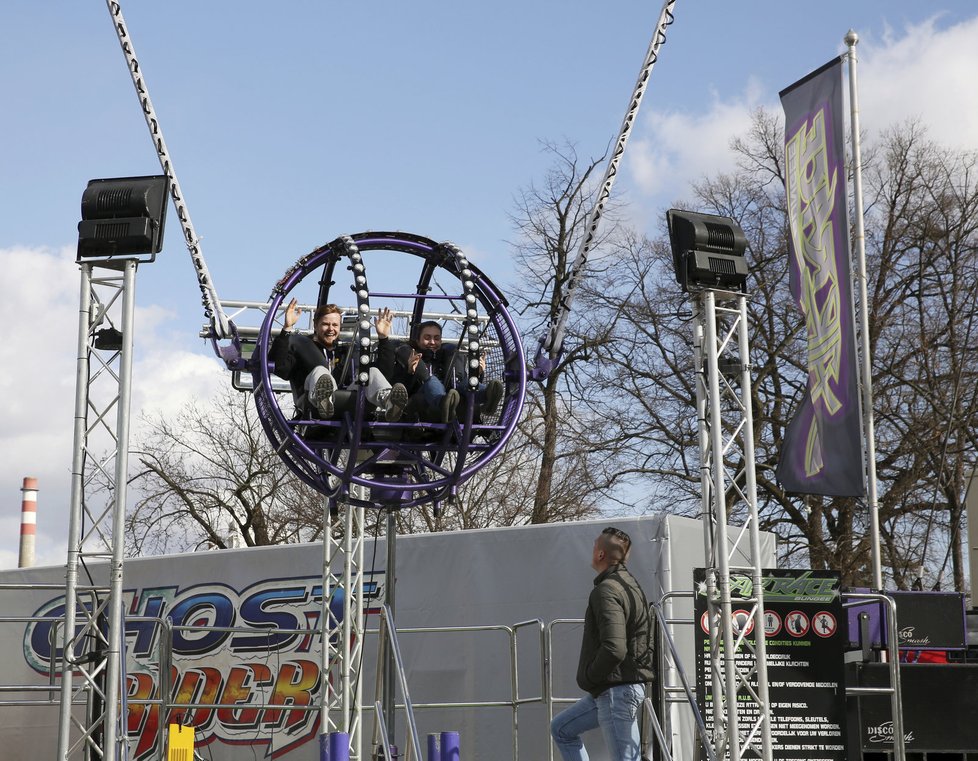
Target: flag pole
x=851 y=39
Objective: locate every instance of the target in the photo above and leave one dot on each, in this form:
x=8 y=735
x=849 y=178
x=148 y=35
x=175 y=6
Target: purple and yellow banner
x=822 y=451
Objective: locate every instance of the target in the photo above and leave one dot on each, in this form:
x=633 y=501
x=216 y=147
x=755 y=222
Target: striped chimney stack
x=28 y=522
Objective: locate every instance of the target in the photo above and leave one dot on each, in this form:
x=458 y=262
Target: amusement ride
x=358 y=462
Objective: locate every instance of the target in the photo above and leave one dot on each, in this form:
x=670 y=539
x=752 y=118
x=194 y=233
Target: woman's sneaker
x=449 y=404
x=494 y=394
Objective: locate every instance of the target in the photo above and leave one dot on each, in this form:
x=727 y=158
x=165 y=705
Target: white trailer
x=506 y=605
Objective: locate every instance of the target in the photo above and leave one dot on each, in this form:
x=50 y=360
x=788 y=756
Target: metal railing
x=389 y=632
x=682 y=693
x=893 y=662
x=167 y=704
x=52 y=686
x=515 y=701
x=650 y=712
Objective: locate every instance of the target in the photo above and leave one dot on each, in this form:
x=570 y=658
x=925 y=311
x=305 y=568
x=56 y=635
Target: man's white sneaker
x=322 y=395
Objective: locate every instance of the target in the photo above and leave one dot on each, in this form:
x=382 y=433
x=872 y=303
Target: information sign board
x=805 y=645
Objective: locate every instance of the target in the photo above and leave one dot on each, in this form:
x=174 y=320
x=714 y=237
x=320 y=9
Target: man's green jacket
x=617 y=644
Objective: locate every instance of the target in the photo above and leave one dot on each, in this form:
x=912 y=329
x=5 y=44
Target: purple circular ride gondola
x=402 y=464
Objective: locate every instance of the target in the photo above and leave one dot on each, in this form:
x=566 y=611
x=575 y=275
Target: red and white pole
x=28 y=522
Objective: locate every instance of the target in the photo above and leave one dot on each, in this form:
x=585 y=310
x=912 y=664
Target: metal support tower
x=741 y=708
x=92 y=637
x=342 y=638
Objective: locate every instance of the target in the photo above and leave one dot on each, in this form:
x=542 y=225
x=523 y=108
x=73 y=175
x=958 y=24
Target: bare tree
x=209 y=478
x=923 y=284
x=502 y=493
x=577 y=466
x=561 y=464
x=616 y=417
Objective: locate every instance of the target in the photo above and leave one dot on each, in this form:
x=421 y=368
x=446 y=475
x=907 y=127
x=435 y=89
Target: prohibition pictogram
x=772 y=623
x=742 y=621
x=824 y=624
x=796 y=622
x=705 y=622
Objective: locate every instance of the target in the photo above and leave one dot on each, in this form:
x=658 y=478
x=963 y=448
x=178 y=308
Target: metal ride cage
x=402 y=464
x=361 y=462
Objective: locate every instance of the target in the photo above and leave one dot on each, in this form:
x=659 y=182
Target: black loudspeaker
x=707 y=251
x=938 y=708
x=925 y=621
x=123 y=216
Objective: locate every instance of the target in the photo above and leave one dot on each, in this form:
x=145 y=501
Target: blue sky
x=292 y=123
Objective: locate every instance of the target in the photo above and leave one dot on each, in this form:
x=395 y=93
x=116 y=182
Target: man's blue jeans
x=616 y=711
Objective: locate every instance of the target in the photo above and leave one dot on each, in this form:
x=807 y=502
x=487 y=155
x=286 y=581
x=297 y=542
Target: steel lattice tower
x=725 y=419
x=92 y=637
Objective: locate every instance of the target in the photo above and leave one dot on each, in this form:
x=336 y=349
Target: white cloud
x=164 y=381
x=39 y=311
x=924 y=73
x=677 y=148
x=39 y=302
x=927 y=73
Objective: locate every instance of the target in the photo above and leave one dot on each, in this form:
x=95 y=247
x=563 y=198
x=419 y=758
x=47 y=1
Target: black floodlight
x=109 y=339
x=707 y=251
x=123 y=216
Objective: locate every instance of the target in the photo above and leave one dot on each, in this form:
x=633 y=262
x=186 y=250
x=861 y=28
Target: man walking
x=616 y=658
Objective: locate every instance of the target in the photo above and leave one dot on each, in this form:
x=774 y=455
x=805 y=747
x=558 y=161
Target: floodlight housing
x=122 y=217
x=707 y=251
